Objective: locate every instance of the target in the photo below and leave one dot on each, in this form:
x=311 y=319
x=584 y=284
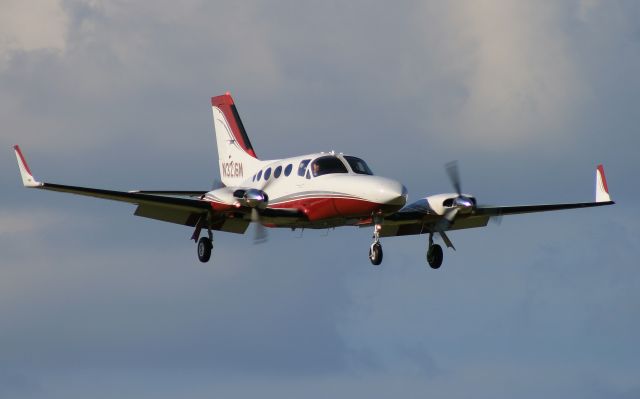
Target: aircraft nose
x=392 y=193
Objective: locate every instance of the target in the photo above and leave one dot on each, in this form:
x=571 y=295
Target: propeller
x=447 y=219
x=256 y=199
x=496 y=219
x=260 y=234
x=461 y=200
x=459 y=203
x=454 y=176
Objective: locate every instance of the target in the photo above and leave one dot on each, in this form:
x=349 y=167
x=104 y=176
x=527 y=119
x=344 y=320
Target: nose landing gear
x=375 y=250
x=375 y=253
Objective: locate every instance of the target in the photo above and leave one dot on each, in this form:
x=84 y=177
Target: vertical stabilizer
x=237 y=159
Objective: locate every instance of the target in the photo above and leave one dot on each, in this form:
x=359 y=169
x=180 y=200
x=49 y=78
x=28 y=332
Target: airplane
x=314 y=191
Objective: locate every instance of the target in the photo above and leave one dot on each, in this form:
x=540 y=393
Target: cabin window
x=287 y=170
x=259 y=176
x=277 y=171
x=358 y=165
x=267 y=174
x=303 y=167
x=327 y=165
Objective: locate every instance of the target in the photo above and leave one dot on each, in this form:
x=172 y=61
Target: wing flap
x=168 y=214
x=423 y=225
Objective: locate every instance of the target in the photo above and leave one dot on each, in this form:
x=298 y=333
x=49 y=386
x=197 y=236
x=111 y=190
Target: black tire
x=375 y=254
x=435 y=256
x=204 y=249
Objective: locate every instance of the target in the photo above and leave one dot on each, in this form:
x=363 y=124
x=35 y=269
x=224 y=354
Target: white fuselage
x=325 y=187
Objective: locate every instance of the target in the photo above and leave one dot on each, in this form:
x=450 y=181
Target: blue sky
x=529 y=97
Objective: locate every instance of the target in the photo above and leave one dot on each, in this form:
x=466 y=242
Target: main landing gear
x=434 y=251
x=434 y=254
x=205 y=244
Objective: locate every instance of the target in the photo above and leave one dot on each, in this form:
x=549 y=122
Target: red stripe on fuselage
x=317 y=208
x=227 y=107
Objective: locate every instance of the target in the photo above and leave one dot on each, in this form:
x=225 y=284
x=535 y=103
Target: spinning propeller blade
x=260 y=234
x=454 y=176
x=460 y=203
x=447 y=219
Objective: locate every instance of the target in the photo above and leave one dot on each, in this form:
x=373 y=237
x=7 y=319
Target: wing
x=193 y=193
x=419 y=217
x=166 y=207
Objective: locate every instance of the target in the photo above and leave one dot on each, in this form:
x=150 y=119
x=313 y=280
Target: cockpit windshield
x=358 y=165
x=326 y=165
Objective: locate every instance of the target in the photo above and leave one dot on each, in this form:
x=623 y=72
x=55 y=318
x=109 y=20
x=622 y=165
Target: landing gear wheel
x=434 y=256
x=375 y=254
x=204 y=249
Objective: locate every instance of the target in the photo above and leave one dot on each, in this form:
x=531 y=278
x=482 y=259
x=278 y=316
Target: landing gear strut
x=375 y=250
x=434 y=254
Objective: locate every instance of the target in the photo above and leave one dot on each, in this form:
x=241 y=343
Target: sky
x=528 y=96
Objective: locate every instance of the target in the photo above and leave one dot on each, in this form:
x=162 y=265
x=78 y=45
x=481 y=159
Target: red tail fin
x=228 y=108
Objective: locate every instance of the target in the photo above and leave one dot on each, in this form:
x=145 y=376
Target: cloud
x=22 y=221
x=515 y=62
x=31 y=26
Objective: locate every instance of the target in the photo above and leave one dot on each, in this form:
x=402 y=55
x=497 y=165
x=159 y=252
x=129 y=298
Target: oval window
x=277 y=171
x=302 y=168
x=259 y=176
x=287 y=170
x=267 y=174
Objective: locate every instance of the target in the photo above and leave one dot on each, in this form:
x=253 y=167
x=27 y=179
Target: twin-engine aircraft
x=315 y=191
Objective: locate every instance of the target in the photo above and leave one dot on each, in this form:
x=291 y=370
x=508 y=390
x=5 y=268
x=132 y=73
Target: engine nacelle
x=440 y=203
x=252 y=198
